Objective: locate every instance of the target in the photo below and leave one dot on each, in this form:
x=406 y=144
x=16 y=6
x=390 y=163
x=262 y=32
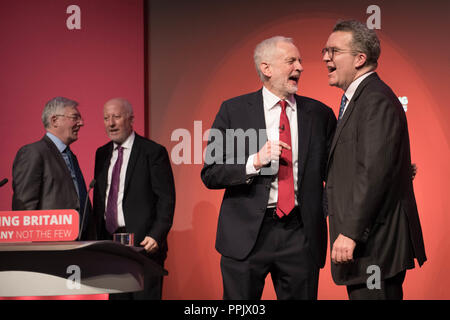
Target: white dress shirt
x=127 y=145
x=272 y=112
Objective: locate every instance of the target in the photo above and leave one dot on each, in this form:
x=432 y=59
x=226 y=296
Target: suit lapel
x=105 y=160
x=57 y=155
x=257 y=118
x=135 y=150
x=348 y=112
x=59 y=161
x=304 y=125
x=102 y=179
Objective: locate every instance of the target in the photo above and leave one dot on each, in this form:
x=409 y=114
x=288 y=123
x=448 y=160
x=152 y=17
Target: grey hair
x=364 y=39
x=54 y=107
x=264 y=51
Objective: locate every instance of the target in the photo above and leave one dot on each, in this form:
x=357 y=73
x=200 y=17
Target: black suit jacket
x=149 y=195
x=245 y=201
x=369 y=187
x=42 y=181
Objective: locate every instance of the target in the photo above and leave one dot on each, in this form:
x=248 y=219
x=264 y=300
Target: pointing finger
x=285 y=145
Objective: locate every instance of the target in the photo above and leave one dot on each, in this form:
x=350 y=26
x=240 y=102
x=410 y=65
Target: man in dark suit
x=46 y=174
x=375 y=231
x=268 y=150
x=135 y=190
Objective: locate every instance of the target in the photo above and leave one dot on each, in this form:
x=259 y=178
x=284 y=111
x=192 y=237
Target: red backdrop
x=199 y=54
x=41 y=58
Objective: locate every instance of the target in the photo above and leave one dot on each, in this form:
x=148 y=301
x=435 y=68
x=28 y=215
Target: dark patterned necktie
x=342 y=107
x=74 y=167
x=111 y=207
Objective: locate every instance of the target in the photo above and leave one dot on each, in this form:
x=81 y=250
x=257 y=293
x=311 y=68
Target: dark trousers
x=281 y=250
x=390 y=289
x=152 y=290
x=152 y=284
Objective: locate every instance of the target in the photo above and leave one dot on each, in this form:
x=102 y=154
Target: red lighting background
x=199 y=53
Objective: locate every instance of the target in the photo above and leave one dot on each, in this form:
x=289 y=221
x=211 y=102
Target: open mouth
x=331 y=69
x=294 y=78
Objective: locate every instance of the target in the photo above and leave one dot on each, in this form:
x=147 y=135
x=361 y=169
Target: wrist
x=257 y=162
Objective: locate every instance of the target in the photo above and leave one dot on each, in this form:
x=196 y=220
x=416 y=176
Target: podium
x=72 y=268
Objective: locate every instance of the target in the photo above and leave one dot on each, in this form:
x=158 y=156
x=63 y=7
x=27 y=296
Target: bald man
x=135 y=191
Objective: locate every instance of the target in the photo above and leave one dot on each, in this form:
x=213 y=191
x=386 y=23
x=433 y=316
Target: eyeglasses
x=332 y=51
x=75 y=118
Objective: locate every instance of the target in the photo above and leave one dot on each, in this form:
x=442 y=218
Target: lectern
x=72 y=268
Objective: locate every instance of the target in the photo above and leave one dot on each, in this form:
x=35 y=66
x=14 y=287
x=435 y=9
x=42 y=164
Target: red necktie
x=286 y=195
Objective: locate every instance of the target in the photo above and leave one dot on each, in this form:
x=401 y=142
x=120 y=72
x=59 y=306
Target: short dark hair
x=364 y=40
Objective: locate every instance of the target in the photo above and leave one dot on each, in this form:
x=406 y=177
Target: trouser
x=281 y=250
x=152 y=284
x=390 y=289
x=152 y=290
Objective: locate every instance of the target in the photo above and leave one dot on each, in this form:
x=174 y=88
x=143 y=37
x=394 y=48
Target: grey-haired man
x=46 y=173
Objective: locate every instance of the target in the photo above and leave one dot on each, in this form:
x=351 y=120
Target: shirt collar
x=270 y=100
x=354 y=85
x=58 y=143
x=128 y=143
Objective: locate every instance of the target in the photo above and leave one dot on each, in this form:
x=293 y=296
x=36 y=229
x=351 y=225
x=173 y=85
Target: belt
x=271 y=213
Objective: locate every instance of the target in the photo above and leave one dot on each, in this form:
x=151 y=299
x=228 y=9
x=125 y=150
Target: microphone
x=91 y=185
x=281 y=128
x=3 y=182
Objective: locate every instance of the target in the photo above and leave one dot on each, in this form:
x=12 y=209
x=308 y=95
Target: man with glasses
x=375 y=231
x=46 y=173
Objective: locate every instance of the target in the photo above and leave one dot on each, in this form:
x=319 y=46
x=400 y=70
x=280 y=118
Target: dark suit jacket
x=149 y=195
x=42 y=180
x=369 y=187
x=244 y=202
